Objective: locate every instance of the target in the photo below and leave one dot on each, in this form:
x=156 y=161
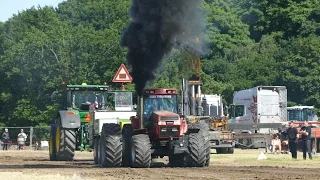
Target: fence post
x=31 y=135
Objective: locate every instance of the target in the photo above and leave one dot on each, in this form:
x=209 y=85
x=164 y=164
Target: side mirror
x=54 y=96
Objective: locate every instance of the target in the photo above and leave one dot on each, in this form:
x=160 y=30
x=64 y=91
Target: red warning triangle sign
x=122 y=75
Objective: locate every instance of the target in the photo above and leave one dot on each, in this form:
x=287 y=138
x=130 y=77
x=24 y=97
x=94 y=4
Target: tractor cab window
x=236 y=111
x=159 y=103
x=82 y=99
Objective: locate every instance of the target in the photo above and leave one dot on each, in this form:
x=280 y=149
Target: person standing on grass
x=5 y=137
x=292 y=136
x=22 y=137
x=305 y=132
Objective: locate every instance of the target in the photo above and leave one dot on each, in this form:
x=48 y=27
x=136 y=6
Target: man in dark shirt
x=292 y=136
x=5 y=137
x=305 y=132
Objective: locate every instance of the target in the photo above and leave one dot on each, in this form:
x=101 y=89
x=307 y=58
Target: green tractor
x=72 y=130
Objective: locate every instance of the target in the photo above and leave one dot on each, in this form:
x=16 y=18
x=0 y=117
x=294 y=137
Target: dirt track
x=35 y=165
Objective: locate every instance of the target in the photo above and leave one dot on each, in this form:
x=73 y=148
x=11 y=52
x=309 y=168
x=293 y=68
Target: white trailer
x=257 y=113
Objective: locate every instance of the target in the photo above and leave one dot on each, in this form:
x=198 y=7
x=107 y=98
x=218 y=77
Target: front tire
x=127 y=132
x=96 y=150
x=230 y=150
x=52 y=143
x=140 y=151
x=206 y=135
x=197 y=150
x=111 y=146
x=65 y=142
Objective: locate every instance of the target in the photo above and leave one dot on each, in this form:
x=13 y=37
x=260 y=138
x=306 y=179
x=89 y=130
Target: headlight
x=174 y=129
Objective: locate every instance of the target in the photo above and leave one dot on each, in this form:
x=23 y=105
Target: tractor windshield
x=159 y=103
x=96 y=98
x=123 y=99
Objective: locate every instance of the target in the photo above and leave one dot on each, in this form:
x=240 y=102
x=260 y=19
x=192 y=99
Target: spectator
x=292 y=134
x=276 y=143
x=22 y=137
x=305 y=132
x=5 y=137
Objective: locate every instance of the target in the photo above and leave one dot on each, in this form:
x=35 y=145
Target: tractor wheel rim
x=57 y=139
x=50 y=145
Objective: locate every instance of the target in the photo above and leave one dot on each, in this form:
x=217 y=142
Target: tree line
x=249 y=43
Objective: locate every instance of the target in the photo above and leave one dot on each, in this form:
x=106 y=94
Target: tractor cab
x=158 y=113
x=166 y=101
x=301 y=113
x=81 y=97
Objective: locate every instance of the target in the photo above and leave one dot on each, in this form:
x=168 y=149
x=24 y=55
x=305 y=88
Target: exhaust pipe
x=140 y=102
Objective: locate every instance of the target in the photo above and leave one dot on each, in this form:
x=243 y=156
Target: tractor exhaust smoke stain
x=155 y=27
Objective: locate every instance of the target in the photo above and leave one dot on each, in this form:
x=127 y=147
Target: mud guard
x=69 y=120
x=193 y=128
x=122 y=124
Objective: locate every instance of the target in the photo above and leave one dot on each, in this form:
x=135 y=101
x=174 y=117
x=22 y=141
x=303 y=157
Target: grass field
x=249 y=158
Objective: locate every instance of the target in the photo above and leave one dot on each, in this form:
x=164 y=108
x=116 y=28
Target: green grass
x=250 y=158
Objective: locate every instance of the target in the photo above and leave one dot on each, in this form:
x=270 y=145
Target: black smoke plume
x=155 y=27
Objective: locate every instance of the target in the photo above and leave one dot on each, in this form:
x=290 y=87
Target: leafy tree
x=299 y=67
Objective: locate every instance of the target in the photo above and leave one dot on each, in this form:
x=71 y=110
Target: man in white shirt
x=22 y=137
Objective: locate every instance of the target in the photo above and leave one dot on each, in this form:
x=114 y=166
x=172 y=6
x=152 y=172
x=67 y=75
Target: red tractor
x=158 y=130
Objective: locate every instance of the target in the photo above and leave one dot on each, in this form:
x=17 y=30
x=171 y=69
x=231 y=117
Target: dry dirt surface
x=30 y=164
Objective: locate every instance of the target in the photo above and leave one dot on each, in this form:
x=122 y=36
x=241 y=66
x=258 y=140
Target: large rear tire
x=65 y=142
x=111 y=146
x=245 y=143
x=52 y=143
x=127 y=133
x=206 y=135
x=197 y=150
x=140 y=151
x=223 y=151
x=231 y=150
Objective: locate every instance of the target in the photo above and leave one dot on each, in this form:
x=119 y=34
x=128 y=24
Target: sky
x=10 y=7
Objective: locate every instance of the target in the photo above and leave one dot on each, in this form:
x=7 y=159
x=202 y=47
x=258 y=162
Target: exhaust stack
x=140 y=102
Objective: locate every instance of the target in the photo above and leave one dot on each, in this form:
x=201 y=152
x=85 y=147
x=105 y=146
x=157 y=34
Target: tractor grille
x=168 y=131
x=172 y=118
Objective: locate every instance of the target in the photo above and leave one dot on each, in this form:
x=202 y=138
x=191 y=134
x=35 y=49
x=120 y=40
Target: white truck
x=258 y=113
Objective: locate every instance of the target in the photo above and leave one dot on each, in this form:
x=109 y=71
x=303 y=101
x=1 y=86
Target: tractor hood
x=167 y=115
